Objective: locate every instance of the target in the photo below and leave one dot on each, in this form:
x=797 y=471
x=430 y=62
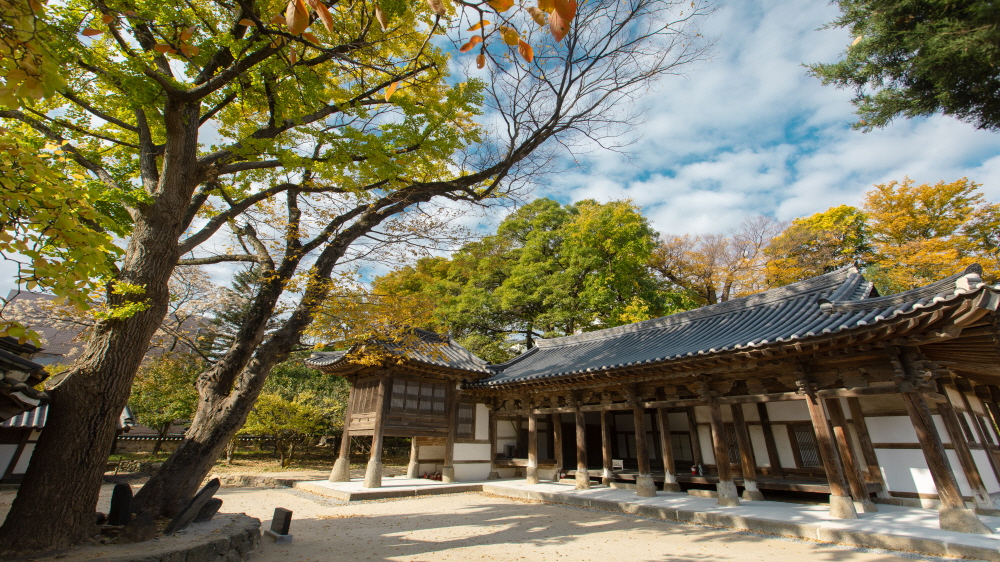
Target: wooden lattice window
x=805 y=443
x=466 y=421
x=417 y=397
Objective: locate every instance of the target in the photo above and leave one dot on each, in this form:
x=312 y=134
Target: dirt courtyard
x=468 y=527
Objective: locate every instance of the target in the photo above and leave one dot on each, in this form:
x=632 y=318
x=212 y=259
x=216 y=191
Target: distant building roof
x=429 y=349
x=18 y=376
x=36 y=418
x=837 y=302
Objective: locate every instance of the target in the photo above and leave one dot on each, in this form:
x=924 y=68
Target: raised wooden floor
x=810 y=485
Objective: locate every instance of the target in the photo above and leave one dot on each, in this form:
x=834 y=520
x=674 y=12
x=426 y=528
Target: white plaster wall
x=750 y=412
x=905 y=470
x=482 y=422
x=22 y=463
x=986 y=471
x=678 y=421
x=759 y=445
x=472 y=452
x=546 y=474
x=789 y=410
x=707 y=451
x=727 y=413
x=701 y=414
x=428 y=452
x=976 y=403
x=892 y=429
x=783 y=445
x=427 y=468
x=472 y=472
x=6 y=455
x=505 y=472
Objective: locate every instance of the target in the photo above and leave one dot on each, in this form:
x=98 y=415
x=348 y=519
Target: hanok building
x=819 y=386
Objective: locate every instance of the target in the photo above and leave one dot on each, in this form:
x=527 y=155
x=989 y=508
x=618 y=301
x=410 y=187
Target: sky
x=749 y=132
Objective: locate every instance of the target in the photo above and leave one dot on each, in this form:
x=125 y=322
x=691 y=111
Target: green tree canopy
x=918 y=57
x=818 y=244
x=164 y=391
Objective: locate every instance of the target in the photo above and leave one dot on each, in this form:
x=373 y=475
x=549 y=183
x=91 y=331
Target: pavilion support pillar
x=964 y=389
x=582 y=474
x=982 y=499
x=852 y=469
x=494 y=474
x=532 y=471
x=451 y=410
x=413 y=469
x=726 y=487
x=747 y=460
x=667 y=452
x=342 y=467
x=699 y=459
x=373 y=474
x=841 y=503
x=867 y=448
x=644 y=485
x=772 y=447
x=607 y=475
x=953 y=514
x=557 y=444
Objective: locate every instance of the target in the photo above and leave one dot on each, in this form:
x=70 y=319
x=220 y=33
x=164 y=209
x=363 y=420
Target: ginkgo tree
x=297 y=137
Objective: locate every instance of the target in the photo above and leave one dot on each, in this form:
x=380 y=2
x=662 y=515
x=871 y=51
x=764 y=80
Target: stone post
x=373 y=474
x=342 y=467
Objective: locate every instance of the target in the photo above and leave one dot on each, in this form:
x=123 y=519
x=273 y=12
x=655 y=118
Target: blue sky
x=750 y=132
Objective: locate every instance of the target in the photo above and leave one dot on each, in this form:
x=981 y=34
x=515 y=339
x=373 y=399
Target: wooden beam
x=772 y=448
x=841 y=503
x=606 y=475
x=867 y=450
x=667 y=452
x=494 y=475
x=532 y=469
x=557 y=443
x=747 y=460
x=699 y=459
x=934 y=453
x=582 y=474
x=961 y=447
x=859 y=491
x=644 y=481
x=451 y=412
x=373 y=473
x=964 y=388
x=726 y=486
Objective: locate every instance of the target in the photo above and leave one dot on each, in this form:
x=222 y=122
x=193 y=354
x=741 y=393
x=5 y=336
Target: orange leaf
x=106 y=18
x=382 y=20
x=391 y=90
x=527 y=53
x=248 y=23
x=130 y=13
x=293 y=57
x=297 y=16
x=310 y=37
x=476 y=39
x=558 y=26
x=537 y=15
x=161 y=48
x=194 y=50
x=501 y=5
x=510 y=36
x=187 y=33
x=479 y=25
x=277 y=20
x=481 y=61
x=324 y=16
x=90 y=32
x=546 y=5
x=566 y=9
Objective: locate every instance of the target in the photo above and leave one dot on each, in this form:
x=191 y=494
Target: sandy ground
x=465 y=527
x=471 y=527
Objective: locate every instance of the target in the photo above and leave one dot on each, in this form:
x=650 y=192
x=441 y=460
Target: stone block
x=279 y=539
x=879 y=540
x=961 y=520
x=139 y=529
x=373 y=474
x=703 y=493
x=208 y=510
x=121 y=505
x=842 y=507
x=783 y=528
x=281 y=521
x=645 y=487
x=974 y=552
x=190 y=511
x=341 y=471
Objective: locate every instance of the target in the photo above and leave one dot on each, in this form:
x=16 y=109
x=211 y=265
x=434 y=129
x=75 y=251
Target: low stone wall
x=226 y=538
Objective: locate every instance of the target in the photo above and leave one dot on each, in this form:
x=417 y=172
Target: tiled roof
x=430 y=349
x=36 y=418
x=836 y=302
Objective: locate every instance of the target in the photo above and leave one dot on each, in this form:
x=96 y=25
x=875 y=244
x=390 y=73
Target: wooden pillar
x=953 y=515
x=373 y=474
x=532 y=472
x=494 y=475
x=699 y=459
x=867 y=449
x=582 y=474
x=959 y=443
x=413 y=469
x=852 y=469
x=772 y=448
x=667 y=452
x=607 y=474
x=342 y=466
x=747 y=460
x=726 y=486
x=841 y=503
x=451 y=410
x=964 y=389
x=644 y=485
x=557 y=443
x=992 y=410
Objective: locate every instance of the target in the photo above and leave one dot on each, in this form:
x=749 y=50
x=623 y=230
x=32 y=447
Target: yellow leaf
x=527 y=53
x=476 y=39
x=382 y=20
x=277 y=20
x=293 y=57
x=296 y=16
x=161 y=48
x=510 y=36
x=537 y=15
x=479 y=25
x=248 y=23
x=310 y=37
x=324 y=16
x=546 y=5
x=107 y=18
x=857 y=40
x=481 y=61
x=90 y=32
x=391 y=90
x=501 y=5
x=187 y=33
